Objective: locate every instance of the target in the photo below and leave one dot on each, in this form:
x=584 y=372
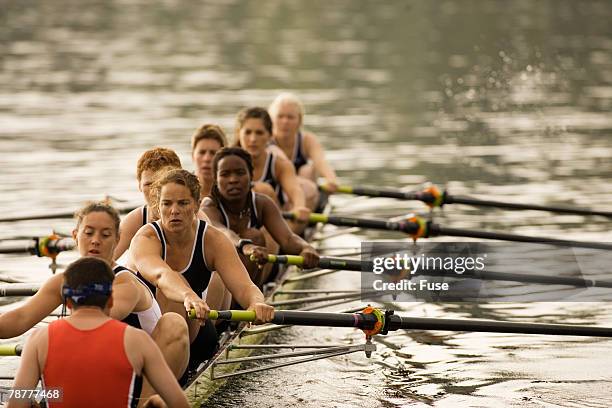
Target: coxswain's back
x=91 y=367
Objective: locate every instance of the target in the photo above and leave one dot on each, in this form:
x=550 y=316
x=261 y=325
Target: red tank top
x=90 y=366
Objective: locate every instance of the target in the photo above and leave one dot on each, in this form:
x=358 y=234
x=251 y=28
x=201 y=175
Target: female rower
x=179 y=252
x=205 y=142
x=234 y=205
x=301 y=147
x=253 y=133
x=96 y=235
x=149 y=165
x=94 y=360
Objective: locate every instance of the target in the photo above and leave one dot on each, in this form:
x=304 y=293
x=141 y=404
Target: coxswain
x=89 y=358
x=96 y=235
x=234 y=205
x=178 y=254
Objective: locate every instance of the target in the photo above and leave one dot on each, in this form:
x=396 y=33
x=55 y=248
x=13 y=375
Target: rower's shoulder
x=276 y=150
x=145 y=231
x=263 y=201
x=309 y=140
x=210 y=209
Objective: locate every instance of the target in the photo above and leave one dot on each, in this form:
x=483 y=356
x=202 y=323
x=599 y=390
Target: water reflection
x=507 y=100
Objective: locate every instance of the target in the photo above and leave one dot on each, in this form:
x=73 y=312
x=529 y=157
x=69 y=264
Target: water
x=507 y=100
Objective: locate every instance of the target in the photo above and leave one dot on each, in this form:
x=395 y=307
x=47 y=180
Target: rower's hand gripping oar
x=418 y=227
x=433 y=197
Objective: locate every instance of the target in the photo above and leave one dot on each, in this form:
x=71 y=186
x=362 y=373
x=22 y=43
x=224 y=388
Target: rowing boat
x=213 y=373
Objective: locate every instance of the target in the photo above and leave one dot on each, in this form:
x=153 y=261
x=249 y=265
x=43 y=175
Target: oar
x=418 y=227
x=357 y=265
x=18 y=290
x=41 y=246
x=48 y=215
x=10 y=349
x=375 y=321
x=434 y=198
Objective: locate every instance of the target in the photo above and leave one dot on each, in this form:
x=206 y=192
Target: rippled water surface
x=505 y=100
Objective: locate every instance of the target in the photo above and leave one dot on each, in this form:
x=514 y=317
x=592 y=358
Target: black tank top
x=254 y=221
x=197 y=273
x=144 y=214
x=299 y=158
x=268 y=176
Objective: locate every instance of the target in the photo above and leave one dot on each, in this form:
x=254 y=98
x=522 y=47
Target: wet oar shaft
x=392 y=322
x=492 y=326
x=18 y=290
x=418 y=227
x=433 y=197
x=324 y=262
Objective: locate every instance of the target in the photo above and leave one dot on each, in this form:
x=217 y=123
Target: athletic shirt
x=254 y=221
x=197 y=273
x=298 y=157
x=268 y=176
x=90 y=366
x=147 y=319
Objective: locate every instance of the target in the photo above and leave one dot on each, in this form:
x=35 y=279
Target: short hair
x=287 y=97
x=232 y=151
x=81 y=276
x=156 y=159
x=208 y=131
x=251 y=113
x=177 y=176
x=215 y=194
x=98 y=206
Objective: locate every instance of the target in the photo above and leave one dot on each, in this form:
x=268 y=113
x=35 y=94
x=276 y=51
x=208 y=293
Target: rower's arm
x=155 y=369
x=289 y=182
x=126 y=296
x=223 y=258
x=314 y=151
x=17 y=321
x=129 y=227
x=289 y=242
x=28 y=372
x=145 y=253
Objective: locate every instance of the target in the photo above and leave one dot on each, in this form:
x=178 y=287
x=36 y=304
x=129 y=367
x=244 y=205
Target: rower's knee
x=307 y=171
x=311 y=192
x=172 y=329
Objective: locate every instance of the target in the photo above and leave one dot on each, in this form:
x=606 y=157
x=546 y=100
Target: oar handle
x=10 y=349
x=283 y=259
x=234 y=315
x=324 y=262
x=313 y=218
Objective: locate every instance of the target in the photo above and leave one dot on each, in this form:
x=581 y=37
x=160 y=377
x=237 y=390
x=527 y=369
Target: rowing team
x=189 y=248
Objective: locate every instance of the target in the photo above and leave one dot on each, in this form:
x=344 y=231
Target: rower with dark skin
x=233 y=205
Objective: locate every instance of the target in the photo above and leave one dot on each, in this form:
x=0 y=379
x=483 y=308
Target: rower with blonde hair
x=301 y=147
